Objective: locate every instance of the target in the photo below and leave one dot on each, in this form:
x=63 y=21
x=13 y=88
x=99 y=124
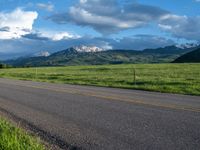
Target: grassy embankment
x=171 y=78
x=12 y=138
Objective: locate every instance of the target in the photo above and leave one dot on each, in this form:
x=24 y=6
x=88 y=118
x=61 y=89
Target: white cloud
x=17 y=23
x=165 y=27
x=140 y=42
x=64 y=35
x=48 y=6
x=108 y=16
x=83 y=1
x=181 y=26
x=45 y=35
x=81 y=15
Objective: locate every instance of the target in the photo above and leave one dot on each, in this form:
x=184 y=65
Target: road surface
x=97 y=118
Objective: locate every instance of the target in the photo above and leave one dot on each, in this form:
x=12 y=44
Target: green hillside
x=191 y=57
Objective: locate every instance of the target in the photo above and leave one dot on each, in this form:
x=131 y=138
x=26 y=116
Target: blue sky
x=30 y=26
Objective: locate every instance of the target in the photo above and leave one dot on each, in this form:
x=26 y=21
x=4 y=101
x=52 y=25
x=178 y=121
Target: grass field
x=171 y=78
x=12 y=138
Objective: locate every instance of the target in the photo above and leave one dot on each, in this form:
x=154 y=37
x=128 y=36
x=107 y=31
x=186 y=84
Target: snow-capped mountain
x=84 y=48
x=42 y=54
x=187 y=45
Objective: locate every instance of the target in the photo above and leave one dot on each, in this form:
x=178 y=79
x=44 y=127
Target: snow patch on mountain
x=84 y=48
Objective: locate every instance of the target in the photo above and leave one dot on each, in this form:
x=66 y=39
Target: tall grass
x=12 y=138
x=171 y=78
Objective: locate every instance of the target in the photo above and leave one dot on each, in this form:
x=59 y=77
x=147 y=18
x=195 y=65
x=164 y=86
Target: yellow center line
x=112 y=97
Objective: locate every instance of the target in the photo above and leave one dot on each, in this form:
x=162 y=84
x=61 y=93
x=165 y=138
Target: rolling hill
x=191 y=57
x=94 y=56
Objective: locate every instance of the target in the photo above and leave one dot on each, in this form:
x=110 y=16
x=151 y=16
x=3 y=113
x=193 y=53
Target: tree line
x=2 y=66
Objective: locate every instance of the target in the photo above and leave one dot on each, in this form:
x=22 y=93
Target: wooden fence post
x=134 y=73
x=36 y=73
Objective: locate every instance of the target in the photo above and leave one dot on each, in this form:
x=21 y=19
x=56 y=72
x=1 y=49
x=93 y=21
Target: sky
x=30 y=26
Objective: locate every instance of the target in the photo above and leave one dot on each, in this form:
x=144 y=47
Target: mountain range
x=85 y=55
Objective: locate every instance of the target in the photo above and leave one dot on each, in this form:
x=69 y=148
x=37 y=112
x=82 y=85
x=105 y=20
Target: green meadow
x=169 y=78
x=12 y=138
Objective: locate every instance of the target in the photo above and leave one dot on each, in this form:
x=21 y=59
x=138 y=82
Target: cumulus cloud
x=36 y=36
x=108 y=16
x=16 y=23
x=64 y=35
x=46 y=6
x=4 y=29
x=181 y=26
x=50 y=35
x=140 y=42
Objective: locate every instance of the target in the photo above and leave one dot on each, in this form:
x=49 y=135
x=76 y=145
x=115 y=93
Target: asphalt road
x=96 y=118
